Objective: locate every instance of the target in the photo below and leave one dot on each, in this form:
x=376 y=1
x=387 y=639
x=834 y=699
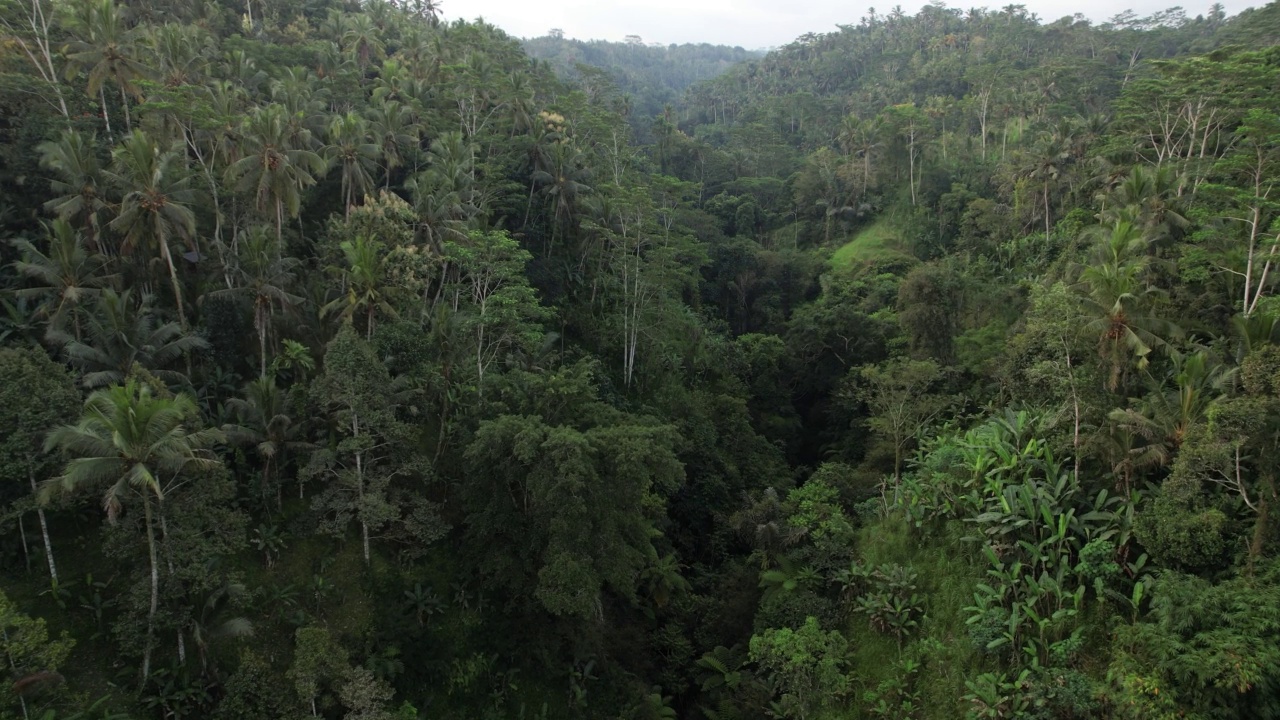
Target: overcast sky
x=751 y=24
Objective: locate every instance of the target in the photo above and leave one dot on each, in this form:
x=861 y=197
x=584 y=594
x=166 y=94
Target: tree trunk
x=22 y=532
x=173 y=280
x=260 y=322
x=44 y=532
x=106 y=115
x=1046 y=210
x=1262 y=522
x=364 y=525
x=155 y=589
x=124 y=102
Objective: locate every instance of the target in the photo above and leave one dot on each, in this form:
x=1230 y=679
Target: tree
x=156 y=204
x=36 y=42
x=364 y=283
x=35 y=394
x=502 y=309
x=78 y=192
x=356 y=389
x=1044 y=164
x=351 y=149
x=264 y=278
x=564 y=504
x=32 y=657
x=1116 y=301
x=392 y=125
x=65 y=278
x=277 y=166
x=135 y=441
x=902 y=404
x=122 y=332
x=106 y=51
x=805 y=665
x=263 y=422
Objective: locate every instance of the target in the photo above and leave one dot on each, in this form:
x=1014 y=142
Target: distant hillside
x=652 y=75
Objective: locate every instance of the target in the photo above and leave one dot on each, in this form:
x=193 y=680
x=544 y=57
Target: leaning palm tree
x=122 y=332
x=155 y=206
x=275 y=167
x=64 y=278
x=130 y=443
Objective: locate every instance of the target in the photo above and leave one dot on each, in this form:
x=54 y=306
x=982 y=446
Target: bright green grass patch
x=941 y=644
x=879 y=241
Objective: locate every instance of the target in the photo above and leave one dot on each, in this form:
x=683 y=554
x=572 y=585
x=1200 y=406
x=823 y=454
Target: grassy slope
x=879 y=241
x=947 y=576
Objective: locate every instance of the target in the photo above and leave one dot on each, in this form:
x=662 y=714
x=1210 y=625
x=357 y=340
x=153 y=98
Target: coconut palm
x=1044 y=165
x=275 y=167
x=130 y=443
x=64 y=278
x=352 y=152
x=263 y=276
x=393 y=130
x=155 y=207
x=1165 y=415
x=363 y=279
x=106 y=51
x=122 y=332
x=363 y=41
x=78 y=186
x=1149 y=199
x=1116 y=301
x=263 y=422
x=216 y=619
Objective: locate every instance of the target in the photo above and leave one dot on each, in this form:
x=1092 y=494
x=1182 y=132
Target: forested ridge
x=650 y=77
x=355 y=365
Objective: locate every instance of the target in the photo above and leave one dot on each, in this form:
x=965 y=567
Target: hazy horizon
x=750 y=24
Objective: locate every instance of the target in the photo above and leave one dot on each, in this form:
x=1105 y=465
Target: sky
x=752 y=24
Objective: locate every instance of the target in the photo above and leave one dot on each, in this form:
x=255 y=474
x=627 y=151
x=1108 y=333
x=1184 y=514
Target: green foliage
x=805 y=667
x=31 y=657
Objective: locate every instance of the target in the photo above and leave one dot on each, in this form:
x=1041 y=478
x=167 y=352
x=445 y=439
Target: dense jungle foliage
x=357 y=366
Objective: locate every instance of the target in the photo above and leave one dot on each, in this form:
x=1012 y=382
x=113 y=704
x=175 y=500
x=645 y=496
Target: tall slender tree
x=130 y=443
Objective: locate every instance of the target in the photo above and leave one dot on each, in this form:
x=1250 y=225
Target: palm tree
x=180 y=53
x=216 y=619
x=155 y=207
x=363 y=40
x=564 y=181
x=264 y=277
x=275 y=167
x=393 y=129
x=263 y=422
x=78 y=187
x=362 y=280
x=1149 y=199
x=1166 y=415
x=105 y=49
x=860 y=139
x=350 y=148
x=134 y=442
x=1045 y=164
x=121 y=333
x=64 y=278
x=1116 y=300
